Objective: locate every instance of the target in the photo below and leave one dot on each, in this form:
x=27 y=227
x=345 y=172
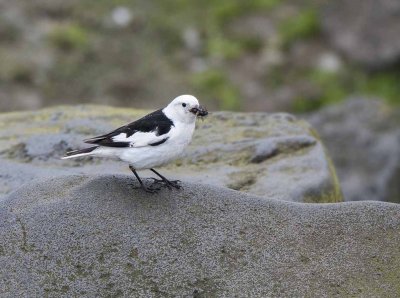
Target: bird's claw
x=155 y=180
x=167 y=183
x=149 y=189
x=175 y=184
x=152 y=188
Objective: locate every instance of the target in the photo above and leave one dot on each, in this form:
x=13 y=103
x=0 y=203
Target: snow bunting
x=152 y=141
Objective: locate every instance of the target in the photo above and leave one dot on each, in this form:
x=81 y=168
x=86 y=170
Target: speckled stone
x=97 y=236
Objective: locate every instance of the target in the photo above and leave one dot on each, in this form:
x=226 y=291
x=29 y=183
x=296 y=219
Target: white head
x=184 y=108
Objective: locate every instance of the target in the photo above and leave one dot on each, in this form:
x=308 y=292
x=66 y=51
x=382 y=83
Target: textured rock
x=366 y=31
x=363 y=137
x=274 y=155
x=98 y=236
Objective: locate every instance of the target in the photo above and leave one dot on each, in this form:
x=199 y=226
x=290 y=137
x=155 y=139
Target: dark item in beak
x=199 y=111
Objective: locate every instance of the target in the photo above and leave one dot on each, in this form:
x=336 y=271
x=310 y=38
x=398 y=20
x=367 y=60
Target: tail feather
x=81 y=152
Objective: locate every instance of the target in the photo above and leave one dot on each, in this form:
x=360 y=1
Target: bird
x=151 y=141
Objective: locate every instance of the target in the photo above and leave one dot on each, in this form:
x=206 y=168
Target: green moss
x=225 y=48
x=225 y=11
x=336 y=193
x=335 y=87
x=383 y=84
x=322 y=198
x=250 y=44
x=332 y=88
x=18 y=152
x=304 y=105
x=211 y=18
x=304 y=25
x=233 y=47
x=217 y=86
x=69 y=37
x=242 y=181
x=331 y=85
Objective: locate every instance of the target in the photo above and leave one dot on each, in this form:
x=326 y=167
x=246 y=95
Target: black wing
x=155 y=124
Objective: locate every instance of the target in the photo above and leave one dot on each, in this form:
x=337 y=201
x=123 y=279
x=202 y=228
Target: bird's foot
x=175 y=184
x=167 y=183
x=153 y=188
x=157 y=181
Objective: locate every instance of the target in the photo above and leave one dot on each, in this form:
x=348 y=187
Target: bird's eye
x=183 y=105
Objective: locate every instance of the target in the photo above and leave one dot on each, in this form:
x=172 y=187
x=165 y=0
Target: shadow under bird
x=152 y=141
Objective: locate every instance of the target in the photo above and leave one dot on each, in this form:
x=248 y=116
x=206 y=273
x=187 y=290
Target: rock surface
x=363 y=137
x=274 y=155
x=97 y=236
x=366 y=31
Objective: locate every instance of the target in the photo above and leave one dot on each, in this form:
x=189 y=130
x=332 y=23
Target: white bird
x=152 y=141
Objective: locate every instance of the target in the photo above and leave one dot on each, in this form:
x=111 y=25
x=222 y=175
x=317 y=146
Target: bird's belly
x=149 y=157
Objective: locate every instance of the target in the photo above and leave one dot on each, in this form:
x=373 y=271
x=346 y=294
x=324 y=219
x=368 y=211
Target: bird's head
x=185 y=108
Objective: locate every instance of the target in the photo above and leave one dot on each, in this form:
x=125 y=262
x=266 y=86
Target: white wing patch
x=139 y=139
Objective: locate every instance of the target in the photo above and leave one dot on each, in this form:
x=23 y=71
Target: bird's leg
x=150 y=190
x=168 y=183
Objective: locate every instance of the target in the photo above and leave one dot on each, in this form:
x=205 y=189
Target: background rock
x=363 y=137
x=97 y=236
x=228 y=149
x=366 y=31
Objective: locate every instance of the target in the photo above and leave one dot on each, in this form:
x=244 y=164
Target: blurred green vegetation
x=336 y=87
x=217 y=84
x=95 y=60
x=69 y=37
x=304 y=25
x=384 y=85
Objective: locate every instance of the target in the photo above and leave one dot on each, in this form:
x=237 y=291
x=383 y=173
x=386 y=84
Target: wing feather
x=147 y=131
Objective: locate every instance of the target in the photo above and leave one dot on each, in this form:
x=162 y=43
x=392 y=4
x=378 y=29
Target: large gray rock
x=99 y=237
x=363 y=137
x=366 y=31
x=275 y=155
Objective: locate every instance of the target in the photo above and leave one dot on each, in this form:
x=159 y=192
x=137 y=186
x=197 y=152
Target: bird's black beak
x=199 y=111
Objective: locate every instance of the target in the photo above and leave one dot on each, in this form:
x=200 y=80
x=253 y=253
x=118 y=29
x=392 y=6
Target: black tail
x=81 y=152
